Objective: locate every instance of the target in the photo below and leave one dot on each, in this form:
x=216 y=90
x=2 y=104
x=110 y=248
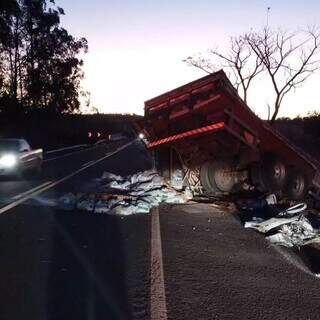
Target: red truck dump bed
x=206 y=120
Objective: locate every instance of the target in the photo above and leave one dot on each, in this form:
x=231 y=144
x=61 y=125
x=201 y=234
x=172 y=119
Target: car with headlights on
x=16 y=157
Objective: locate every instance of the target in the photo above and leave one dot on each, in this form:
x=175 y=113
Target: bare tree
x=240 y=62
x=288 y=58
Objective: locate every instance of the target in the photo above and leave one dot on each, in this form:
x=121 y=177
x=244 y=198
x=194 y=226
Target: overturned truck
x=206 y=130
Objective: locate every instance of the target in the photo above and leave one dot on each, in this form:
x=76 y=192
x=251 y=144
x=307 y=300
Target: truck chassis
x=205 y=129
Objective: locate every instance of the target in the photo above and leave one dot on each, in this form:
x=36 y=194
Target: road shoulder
x=216 y=269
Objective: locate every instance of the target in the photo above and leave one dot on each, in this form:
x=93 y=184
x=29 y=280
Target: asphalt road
x=216 y=269
x=58 y=264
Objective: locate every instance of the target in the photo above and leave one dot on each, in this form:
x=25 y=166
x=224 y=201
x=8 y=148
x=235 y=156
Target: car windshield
x=9 y=145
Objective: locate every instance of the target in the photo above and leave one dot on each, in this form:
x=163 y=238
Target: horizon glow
x=136 y=48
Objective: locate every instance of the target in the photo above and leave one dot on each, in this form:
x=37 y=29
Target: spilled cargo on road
x=126 y=195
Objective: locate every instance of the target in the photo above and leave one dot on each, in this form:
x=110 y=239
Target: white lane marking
x=87 y=163
x=66 y=148
x=158 y=306
x=53 y=184
x=18 y=196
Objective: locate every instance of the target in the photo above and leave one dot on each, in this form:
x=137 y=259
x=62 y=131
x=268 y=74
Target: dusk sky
x=136 y=48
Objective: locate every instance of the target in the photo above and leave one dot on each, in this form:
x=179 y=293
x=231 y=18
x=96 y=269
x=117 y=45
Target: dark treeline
x=303 y=132
x=49 y=131
x=39 y=64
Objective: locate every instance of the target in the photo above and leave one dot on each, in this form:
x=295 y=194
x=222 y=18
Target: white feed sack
x=144 y=190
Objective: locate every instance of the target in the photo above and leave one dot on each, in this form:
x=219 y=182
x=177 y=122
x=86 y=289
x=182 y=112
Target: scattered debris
x=177 y=179
x=293 y=227
x=67 y=201
x=293 y=210
x=257 y=203
x=137 y=193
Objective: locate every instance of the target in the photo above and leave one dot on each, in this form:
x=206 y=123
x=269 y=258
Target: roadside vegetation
x=40 y=80
x=40 y=64
x=285 y=58
x=303 y=132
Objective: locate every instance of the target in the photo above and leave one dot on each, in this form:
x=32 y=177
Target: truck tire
x=296 y=187
x=204 y=178
x=216 y=177
x=274 y=173
x=269 y=174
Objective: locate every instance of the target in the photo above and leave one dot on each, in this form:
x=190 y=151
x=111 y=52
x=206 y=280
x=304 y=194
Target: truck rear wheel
x=296 y=188
x=204 y=178
x=217 y=176
x=270 y=174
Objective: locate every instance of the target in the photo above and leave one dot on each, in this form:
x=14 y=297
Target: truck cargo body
x=221 y=144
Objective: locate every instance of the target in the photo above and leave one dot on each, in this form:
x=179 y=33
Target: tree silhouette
x=239 y=61
x=287 y=59
x=41 y=68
